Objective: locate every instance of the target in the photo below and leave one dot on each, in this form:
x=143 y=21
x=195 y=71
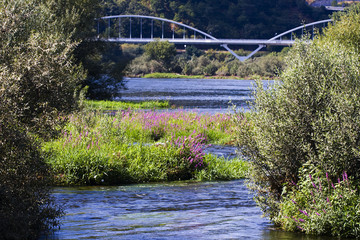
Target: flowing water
x=176 y=210
x=205 y=95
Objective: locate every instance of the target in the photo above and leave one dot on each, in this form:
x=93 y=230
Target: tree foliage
x=38 y=85
x=227 y=18
x=310 y=117
x=160 y=51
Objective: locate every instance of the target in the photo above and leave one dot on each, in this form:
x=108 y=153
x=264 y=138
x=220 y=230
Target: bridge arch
x=208 y=39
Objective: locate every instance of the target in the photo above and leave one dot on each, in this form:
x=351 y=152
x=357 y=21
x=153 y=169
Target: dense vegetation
x=240 y=19
x=195 y=62
x=303 y=135
x=43 y=64
x=38 y=86
x=142 y=146
x=227 y=18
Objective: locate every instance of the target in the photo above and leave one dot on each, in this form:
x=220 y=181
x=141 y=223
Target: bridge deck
x=205 y=41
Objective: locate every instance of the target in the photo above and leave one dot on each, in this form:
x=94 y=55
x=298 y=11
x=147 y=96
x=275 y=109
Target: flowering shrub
x=191 y=149
x=317 y=205
x=189 y=156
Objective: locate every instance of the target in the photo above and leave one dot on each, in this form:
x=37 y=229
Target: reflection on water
x=211 y=95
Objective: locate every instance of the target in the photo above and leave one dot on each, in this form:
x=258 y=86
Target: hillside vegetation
x=227 y=18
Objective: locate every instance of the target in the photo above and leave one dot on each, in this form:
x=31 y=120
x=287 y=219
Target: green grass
x=175 y=75
x=141 y=146
x=119 y=105
x=172 y=75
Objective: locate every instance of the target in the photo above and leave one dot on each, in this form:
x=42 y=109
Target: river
x=204 y=95
x=176 y=210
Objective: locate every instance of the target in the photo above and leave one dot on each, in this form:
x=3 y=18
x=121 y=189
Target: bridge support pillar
x=255 y=51
x=243 y=58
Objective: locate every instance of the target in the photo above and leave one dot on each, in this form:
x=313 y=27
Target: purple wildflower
x=304 y=212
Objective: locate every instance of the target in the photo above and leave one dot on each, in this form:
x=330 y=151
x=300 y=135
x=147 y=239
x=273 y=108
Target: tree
x=39 y=85
x=310 y=117
x=104 y=68
x=161 y=51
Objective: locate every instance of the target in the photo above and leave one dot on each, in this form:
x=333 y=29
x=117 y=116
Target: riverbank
x=103 y=105
x=159 y=75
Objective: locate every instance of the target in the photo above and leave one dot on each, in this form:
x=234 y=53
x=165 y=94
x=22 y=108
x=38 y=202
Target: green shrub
x=26 y=206
x=310 y=116
x=38 y=86
x=162 y=52
x=317 y=205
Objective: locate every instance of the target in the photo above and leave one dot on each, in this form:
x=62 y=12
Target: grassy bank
x=176 y=75
x=120 y=105
x=142 y=146
x=172 y=75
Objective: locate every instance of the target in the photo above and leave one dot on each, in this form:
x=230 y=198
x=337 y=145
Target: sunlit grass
x=172 y=75
x=132 y=146
x=121 y=105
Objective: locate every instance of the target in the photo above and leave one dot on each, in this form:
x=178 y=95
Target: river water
x=176 y=210
x=205 y=95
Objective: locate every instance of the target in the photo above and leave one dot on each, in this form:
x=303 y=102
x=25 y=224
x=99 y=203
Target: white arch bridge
x=144 y=29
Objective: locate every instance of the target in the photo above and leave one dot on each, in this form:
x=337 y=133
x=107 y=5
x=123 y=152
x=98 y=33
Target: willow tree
x=39 y=84
x=309 y=118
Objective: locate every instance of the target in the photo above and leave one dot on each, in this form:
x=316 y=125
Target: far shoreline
x=180 y=76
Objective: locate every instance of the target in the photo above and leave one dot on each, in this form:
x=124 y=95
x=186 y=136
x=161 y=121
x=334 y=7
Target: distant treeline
x=226 y=18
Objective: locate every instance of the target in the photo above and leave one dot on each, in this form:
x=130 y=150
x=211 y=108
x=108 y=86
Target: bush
x=310 y=116
x=144 y=65
x=26 y=207
x=317 y=205
x=161 y=51
x=38 y=87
